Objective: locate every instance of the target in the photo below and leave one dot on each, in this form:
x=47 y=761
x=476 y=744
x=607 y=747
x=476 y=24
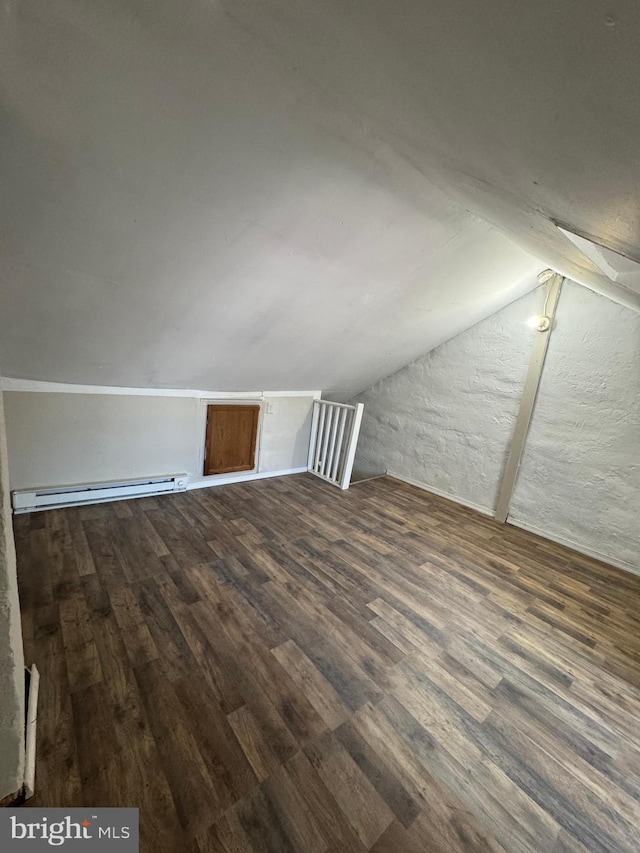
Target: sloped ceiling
x=275 y=193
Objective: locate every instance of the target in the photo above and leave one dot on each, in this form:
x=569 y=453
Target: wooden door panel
x=231 y=439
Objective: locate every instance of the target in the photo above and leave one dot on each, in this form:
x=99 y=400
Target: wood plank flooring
x=280 y=667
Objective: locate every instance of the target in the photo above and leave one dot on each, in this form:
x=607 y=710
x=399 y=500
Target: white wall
x=285 y=435
x=65 y=438
x=57 y=439
x=445 y=421
x=11 y=654
x=580 y=475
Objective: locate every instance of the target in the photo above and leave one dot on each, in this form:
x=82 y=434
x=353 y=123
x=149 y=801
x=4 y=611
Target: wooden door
x=231 y=439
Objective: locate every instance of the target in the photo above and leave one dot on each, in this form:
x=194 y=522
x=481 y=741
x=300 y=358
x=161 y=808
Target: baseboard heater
x=32 y=500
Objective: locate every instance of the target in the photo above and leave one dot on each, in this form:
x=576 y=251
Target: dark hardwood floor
x=278 y=666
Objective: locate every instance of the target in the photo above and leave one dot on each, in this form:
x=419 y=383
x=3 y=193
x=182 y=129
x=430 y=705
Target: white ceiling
x=275 y=193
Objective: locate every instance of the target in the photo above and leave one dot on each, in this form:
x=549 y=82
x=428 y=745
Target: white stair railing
x=334 y=437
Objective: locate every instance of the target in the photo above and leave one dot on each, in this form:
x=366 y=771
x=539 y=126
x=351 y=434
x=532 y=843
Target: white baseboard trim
x=530 y=528
x=434 y=491
x=216 y=480
x=575 y=546
x=368 y=479
x=222 y=480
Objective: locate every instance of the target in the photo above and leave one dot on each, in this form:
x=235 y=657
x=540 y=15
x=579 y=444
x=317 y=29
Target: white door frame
x=202 y=433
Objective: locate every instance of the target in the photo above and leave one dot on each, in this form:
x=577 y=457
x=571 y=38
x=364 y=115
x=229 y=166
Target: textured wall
x=446 y=419
x=57 y=439
x=580 y=474
x=11 y=655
